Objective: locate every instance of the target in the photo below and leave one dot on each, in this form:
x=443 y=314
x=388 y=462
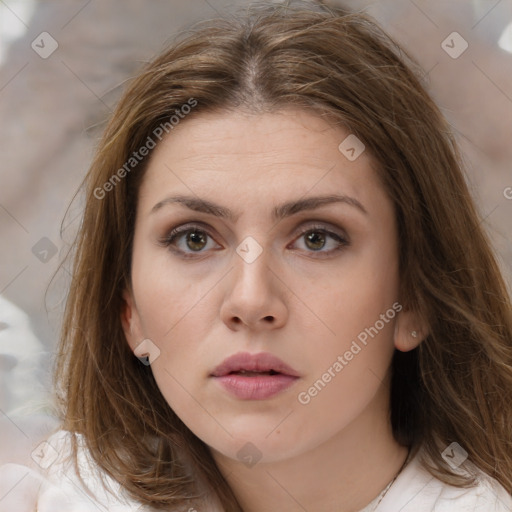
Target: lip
x=262 y=362
x=256 y=387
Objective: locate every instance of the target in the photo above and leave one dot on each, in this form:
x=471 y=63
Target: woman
x=282 y=297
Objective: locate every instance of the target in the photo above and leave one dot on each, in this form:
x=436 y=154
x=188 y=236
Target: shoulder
x=52 y=483
x=416 y=490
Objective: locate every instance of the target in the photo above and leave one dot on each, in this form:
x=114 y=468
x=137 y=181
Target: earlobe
x=410 y=331
x=143 y=348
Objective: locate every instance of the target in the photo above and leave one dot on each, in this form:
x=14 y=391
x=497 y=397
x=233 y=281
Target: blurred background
x=62 y=69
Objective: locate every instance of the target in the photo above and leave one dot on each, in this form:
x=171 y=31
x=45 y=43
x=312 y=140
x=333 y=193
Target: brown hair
x=454 y=387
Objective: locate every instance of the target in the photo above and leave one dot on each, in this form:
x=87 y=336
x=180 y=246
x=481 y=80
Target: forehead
x=240 y=156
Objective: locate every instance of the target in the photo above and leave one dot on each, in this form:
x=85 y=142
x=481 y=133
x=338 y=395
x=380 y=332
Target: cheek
x=360 y=313
x=350 y=363
x=173 y=307
x=359 y=292
x=332 y=403
x=168 y=293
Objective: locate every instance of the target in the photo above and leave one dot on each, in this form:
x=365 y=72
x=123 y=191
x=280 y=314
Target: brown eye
x=321 y=240
x=315 y=240
x=187 y=240
x=196 y=240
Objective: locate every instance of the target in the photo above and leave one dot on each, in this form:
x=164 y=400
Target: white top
x=52 y=485
x=416 y=490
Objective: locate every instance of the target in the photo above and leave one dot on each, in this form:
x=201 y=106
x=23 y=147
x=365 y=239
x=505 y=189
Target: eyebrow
x=278 y=213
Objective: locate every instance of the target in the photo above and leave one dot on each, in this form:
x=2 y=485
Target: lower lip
x=258 y=387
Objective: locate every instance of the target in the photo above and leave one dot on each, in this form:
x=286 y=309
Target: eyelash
x=176 y=233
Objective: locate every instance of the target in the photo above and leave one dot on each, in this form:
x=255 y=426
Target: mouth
x=248 y=373
x=253 y=364
x=254 y=376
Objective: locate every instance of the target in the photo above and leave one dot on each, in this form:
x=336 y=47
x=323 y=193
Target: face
x=280 y=250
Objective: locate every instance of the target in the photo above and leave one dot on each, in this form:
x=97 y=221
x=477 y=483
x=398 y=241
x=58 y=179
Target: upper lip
x=262 y=362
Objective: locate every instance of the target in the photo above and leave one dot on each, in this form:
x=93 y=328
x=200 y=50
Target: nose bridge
x=254 y=295
x=251 y=273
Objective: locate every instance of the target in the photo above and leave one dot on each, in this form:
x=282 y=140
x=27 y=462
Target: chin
x=253 y=441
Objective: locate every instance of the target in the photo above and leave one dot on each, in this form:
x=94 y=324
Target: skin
x=303 y=305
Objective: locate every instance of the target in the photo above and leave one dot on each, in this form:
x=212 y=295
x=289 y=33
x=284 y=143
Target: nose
x=255 y=297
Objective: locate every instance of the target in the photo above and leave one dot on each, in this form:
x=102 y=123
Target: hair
x=454 y=387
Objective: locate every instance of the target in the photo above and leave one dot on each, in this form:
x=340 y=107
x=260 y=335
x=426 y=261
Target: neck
x=343 y=474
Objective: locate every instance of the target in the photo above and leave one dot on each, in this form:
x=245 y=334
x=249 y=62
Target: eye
x=187 y=240
x=190 y=240
x=317 y=238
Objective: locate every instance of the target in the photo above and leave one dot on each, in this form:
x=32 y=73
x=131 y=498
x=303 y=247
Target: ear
x=130 y=320
x=410 y=330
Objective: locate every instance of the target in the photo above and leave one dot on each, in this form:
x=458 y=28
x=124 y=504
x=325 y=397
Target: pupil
x=195 y=238
x=315 y=238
